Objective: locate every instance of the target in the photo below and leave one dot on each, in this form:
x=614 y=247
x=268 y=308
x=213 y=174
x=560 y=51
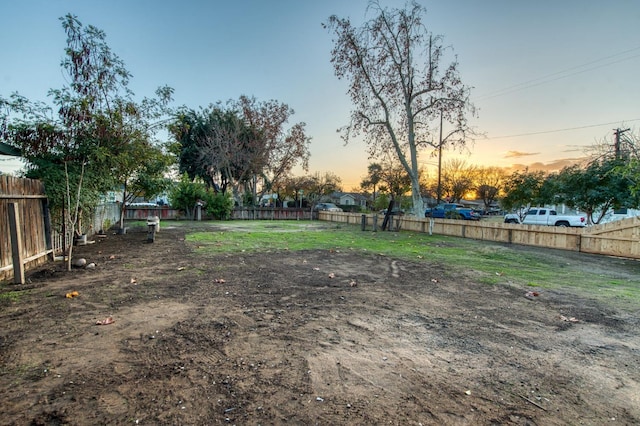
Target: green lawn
x=610 y=280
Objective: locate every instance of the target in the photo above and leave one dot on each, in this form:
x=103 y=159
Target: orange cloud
x=517 y=154
x=553 y=166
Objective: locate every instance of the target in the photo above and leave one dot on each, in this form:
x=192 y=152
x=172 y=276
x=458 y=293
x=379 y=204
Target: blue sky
x=537 y=68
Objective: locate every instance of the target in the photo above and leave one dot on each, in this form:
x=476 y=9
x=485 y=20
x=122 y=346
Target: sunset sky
x=549 y=77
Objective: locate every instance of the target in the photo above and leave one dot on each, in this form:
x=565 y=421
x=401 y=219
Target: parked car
x=452 y=211
x=548 y=217
x=327 y=207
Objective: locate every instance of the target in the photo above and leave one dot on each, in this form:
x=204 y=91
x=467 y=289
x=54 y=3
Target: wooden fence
x=25 y=236
x=266 y=213
x=620 y=238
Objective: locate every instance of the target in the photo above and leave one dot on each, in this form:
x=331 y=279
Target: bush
x=219 y=205
x=186 y=194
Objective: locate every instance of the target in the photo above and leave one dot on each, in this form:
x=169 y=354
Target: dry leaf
x=106 y=321
x=434 y=280
x=134 y=281
x=316 y=269
x=499 y=274
x=113 y=256
x=532 y=294
x=72 y=295
x=182 y=268
x=572 y=319
x=219 y=281
x=332 y=275
x=353 y=283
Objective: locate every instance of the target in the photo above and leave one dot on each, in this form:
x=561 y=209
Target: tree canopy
x=83 y=146
x=242 y=144
x=397 y=85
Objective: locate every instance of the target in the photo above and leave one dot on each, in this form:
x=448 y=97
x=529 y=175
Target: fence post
x=16 y=243
x=363 y=222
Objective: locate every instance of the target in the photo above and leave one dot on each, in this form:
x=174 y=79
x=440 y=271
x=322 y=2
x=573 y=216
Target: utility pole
x=439 y=195
x=618 y=133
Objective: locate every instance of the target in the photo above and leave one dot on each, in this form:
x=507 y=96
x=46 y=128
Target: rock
x=79 y=262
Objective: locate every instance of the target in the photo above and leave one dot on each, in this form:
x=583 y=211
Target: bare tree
x=488 y=184
x=397 y=86
x=457 y=179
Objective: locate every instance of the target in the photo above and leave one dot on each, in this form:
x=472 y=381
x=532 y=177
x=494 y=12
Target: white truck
x=545 y=216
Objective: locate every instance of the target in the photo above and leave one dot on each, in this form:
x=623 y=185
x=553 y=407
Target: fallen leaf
x=531 y=294
x=134 y=281
x=113 y=256
x=219 y=281
x=106 y=321
x=316 y=269
x=72 y=295
x=499 y=274
x=332 y=275
x=182 y=268
x=353 y=283
x=434 y=280
x=572 y=319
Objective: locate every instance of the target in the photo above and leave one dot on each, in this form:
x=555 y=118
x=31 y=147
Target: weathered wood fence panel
x=31 y=201
x=142 y=213
x=621 y=238
x=273 y=214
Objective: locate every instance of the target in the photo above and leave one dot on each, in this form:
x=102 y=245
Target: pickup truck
x=451 y=211
x=544 y=216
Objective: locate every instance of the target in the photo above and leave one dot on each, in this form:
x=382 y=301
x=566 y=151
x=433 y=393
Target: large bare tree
x=397 y=86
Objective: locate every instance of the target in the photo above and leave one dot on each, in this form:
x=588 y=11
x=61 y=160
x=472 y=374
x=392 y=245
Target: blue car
x=451 y=211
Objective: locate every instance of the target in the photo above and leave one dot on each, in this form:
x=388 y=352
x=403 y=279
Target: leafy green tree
x=218 y=205
x=93 y=139
x=521 y=189
x=77 y=140
x=186 y=194
x=596 y=188
x=398 y=88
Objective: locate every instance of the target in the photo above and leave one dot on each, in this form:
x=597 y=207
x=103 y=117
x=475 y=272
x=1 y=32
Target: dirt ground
x=314 y=337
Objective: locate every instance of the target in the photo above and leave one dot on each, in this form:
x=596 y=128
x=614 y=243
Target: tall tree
x=394 y=179
x=372 y=180
x=521 y=189
x=241 y=144
x=596 y=188
x=489 y=181
x=281 y=147
x=397 y=86
x=457 y=179
x=80 y=149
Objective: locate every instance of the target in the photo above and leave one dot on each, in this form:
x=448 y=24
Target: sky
x=549 y=78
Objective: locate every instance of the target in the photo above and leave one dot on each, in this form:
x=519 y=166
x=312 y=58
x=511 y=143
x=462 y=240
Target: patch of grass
x=10 y=297
x=493 y=263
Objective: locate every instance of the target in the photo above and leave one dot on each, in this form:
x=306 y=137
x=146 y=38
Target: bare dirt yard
x=312 y=337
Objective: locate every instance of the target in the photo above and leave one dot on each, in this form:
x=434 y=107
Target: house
x=13 y=163
x=349 y=199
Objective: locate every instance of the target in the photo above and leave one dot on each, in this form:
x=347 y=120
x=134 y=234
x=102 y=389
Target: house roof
x=9 y=150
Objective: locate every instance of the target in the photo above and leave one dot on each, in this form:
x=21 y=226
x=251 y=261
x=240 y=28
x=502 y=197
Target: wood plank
x=16 y=243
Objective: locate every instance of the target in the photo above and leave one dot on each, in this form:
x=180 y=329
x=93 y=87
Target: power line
x=561 y=130
x=561 y=74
